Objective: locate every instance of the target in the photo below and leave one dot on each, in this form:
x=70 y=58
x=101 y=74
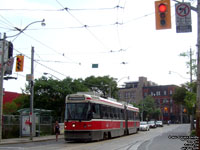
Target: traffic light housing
x=19 y=63
x=163 y=14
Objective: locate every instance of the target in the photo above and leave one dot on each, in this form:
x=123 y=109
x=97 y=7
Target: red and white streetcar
x=90 y=117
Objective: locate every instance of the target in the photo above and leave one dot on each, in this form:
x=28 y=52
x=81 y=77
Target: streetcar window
x=115 y=113
x=121 y=114
x=96 y=111
x=110 y=109
x=77 y=111
x=104 y=112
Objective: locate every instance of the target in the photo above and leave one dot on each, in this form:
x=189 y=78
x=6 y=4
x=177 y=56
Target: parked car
x=152 y=124
x=159 y=123
x=144 y=126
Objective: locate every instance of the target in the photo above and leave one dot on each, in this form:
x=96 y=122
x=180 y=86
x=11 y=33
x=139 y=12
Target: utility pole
x=198 y=74
x=1 y=85
x=32 y=122
x=192 y=113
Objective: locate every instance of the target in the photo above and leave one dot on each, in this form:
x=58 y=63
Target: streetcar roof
x=93 y=99
x=81 y=97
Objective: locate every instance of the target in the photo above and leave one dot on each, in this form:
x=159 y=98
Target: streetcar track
x=130 y=145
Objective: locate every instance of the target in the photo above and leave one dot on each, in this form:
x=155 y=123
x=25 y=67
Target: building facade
x=164 y=101
x=133 y=91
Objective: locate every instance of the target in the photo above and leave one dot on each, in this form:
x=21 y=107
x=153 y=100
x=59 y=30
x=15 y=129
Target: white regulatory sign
x=183 y=17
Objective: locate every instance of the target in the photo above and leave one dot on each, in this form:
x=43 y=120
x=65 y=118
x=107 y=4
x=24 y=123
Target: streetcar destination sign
x=183 y=17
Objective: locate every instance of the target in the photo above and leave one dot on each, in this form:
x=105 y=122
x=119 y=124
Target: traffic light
x=10 y=50
x=163 y=14
x=19 y=63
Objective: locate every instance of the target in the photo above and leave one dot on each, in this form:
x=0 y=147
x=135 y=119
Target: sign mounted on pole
x=183 y=17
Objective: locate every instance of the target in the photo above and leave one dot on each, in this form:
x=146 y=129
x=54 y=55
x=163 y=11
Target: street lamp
x=2 y=77
x=45 y=73
x=123 y=78
x=22 y=30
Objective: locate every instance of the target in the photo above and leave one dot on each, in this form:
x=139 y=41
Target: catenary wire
x=42 y=64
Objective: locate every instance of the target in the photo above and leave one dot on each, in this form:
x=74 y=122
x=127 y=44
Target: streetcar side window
x=104 y=112
x=96 y=111
x=115 y=113
x=111 y=112
x=136 y=116
x=130 y=115
x=121 y=114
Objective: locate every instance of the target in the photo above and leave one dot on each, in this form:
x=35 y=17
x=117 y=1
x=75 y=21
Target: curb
x=26 y=140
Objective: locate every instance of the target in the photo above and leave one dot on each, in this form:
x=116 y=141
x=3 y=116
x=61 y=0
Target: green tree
x=105 y=85
x=190 y=101
x=179 y=95
x=147 y=106
x=22 y=101
x=50 y=94
x=9 y=108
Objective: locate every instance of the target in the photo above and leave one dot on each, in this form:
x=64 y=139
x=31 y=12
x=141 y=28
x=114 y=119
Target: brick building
x=9 y=96
x=138 y=90
x=163 y=100
x=133 y=91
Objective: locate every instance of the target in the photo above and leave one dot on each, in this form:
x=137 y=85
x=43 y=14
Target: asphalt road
x=165 y=138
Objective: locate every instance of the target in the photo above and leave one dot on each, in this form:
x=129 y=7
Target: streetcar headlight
x=73 y=125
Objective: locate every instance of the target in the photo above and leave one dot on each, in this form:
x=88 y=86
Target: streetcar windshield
x=77 y=111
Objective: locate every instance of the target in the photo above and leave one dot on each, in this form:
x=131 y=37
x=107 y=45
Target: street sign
x=29 y=77
x=95 y=65
x=5 y=50
x=8 y=59
x=183 y=17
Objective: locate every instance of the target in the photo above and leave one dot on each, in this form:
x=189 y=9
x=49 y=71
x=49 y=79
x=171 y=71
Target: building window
x=165 y=101
x=171 y=110
x=151 y=93
x=170 y=92
x=165 y=92
x=158 y=93
x=127 y=95
x=133 y=94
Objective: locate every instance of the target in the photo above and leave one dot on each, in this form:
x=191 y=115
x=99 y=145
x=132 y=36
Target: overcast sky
x=119 y=35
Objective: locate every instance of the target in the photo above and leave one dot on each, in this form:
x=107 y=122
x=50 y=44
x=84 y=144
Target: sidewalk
x=27 y=139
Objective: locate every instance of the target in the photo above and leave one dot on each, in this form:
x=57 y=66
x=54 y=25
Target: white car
x=159 y=123
x=144 y=126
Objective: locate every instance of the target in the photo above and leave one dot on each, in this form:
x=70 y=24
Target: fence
x=12 y=124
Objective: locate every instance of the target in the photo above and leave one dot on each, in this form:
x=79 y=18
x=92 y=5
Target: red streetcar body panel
x=91 y=117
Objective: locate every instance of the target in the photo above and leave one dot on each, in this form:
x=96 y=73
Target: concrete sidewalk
x=27 y=139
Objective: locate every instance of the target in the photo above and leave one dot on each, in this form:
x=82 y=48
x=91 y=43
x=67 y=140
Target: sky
x=118 y=35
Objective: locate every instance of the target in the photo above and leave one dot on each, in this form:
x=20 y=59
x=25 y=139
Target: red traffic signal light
x=163 y=14
x=19 y=63
x=162 y=8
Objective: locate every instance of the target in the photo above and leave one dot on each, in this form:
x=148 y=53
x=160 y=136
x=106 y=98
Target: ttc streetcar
x=90 y=117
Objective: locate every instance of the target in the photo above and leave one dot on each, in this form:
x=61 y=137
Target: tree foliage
x=50 y=93
x=148 y=107
x=186 y=95
x=9 y=108
x=105 y=85
x=179 y=95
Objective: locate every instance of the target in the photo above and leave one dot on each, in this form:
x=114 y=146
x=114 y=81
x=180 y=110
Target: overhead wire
x=8 y=23
x=45 y=45
x=67 y=10
x=42 y=64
